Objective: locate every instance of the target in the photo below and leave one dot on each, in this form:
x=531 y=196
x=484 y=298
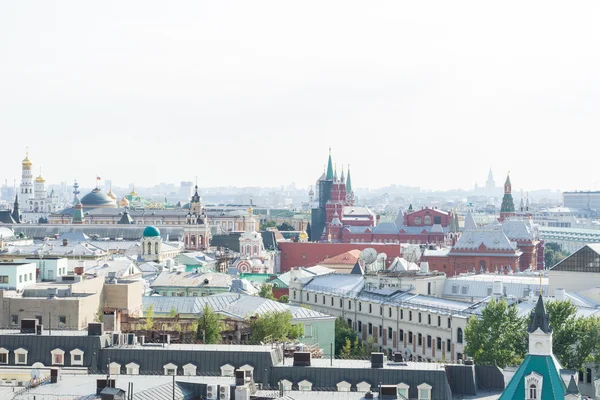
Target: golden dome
x=124 y=202
x=303 y=235
x=39 y=179
x=111 y=194
x=26 y=162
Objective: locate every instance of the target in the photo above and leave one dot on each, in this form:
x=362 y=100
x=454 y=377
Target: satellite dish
x=368 y=255
x=35 y=373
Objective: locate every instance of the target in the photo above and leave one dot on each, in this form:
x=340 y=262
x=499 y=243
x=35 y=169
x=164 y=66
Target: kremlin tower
x=507 y=209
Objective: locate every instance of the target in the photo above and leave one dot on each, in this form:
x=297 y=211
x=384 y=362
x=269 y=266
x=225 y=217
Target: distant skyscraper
x=490 y=185
x=186 y=189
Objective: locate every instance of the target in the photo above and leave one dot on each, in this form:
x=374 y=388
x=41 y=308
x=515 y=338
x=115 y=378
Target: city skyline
x=408 y=94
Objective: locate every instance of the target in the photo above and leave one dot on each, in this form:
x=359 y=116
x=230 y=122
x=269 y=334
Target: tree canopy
x=286 y=227
x=347 y=342
x=276 y=326
x=209 y=326
x=553 y=254
x=266 y=291
x=499 y=337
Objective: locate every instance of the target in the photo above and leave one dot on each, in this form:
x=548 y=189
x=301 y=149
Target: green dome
x=151 y=231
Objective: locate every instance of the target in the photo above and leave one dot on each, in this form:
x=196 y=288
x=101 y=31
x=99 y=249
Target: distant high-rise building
x=185 y=189
x=490 y=185
x=582 y=200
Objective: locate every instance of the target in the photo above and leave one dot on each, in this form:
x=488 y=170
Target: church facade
x=33 y=194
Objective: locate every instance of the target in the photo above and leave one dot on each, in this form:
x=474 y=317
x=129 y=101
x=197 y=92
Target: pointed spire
x=348 y=181
x=507 y=182
x=329 y=175
x=539 y=318
x=470 y=222
x=572 y=388
x=342 y=178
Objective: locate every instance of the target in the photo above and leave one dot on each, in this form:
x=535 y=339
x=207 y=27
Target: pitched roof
x=349 y=257
x=470 y=222
x=492 y=237
x=553 y=387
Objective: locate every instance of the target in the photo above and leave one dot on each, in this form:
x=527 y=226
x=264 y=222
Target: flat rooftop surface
x=198 y=347
x=84 y=386
x=366 y=364
x=45 y=332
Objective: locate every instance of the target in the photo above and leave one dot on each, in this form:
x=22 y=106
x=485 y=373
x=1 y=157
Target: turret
x=329 y=175
x=540 y=331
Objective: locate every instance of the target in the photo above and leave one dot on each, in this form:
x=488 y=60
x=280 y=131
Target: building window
x=429 y=319
x=76 y=357
x=439 y=320
x=304 y=386
x=381 y=310
x=403 y=391
x=380 y=331
x=439 y=343
x=410 y=337
x=401 y=335
x=294 y=294
x=323 y=299
x=359 y=326
x=315 y=298
x=459 y=335
x=401 y=314
x=3 y=355
x=532 y=392
x=588 y=375
x=389 y=333
x=424 y=391
x=62 y=321
x=420 y=320
x=448 y=345
x=429 y=341
x=331 y=301
x=3 y=278
x=170 y=369
x=359 y=306
x=132 y=369
x=307 y=298
x=227 y=370
x=464 y=289
x=419 y=339
x=189 y=369
x=454 y=289
x=21 y=356
x=410 y=315
x=449 y=323
x=14 y=320
x=343 y=386
x=370 y=328
x=370 y=308
x=58 y=357
x=390 y=312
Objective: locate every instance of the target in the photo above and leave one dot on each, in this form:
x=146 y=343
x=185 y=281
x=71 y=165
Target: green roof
x=329 y=167
x=151 y=231
x=553 y=386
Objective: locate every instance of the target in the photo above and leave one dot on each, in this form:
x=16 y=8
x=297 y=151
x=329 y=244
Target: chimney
x=65 y=242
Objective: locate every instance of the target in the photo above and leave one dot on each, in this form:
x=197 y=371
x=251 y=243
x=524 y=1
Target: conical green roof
x=348 y=182
x=329 y=175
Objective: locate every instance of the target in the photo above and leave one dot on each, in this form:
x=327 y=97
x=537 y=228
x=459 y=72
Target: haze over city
x=426 y=94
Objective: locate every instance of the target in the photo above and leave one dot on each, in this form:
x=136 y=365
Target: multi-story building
x=17 y=275
x=421 y=326
x=585 y=200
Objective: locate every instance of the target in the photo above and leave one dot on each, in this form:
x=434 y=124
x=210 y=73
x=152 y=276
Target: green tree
x=149 y=315
x=575 y=340
x=209 y=326
x=358 y=349
x=268 y=224
x=266 y=291
x=346 y=350
x=284 y=299
x=286 y=227
x=553 y=254
x=499 y=324
x=343 y=333
x=276 y=326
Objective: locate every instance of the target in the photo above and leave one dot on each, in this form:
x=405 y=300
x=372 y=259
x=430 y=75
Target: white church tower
x=26 y=197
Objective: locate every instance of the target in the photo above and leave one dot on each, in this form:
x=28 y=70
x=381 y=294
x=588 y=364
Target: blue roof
x=553 y=387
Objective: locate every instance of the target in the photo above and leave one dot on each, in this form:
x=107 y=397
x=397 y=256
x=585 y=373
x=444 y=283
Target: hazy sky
x=253 y=93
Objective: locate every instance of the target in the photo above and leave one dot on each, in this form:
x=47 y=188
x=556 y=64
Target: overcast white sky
x=253 y=92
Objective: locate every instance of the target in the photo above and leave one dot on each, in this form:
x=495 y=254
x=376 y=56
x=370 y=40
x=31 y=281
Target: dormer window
x=533 y=386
